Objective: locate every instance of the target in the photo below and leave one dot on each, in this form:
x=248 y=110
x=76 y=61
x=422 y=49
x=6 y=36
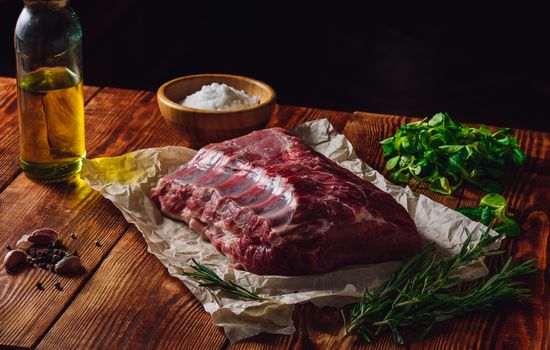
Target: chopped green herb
x=445 y=153
x=493 y=210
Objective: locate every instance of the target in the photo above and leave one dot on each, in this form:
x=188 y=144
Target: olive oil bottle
x=49 y=90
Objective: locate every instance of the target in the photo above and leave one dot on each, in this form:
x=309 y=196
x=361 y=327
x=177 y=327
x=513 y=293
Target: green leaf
x=392 y=162
x=493 y=200
x=405 y=144
x=452 y=148
x=498 y=205
x=424 y=138
x=470 y=212
x=483 y=130
x=441 y=185
x=436 y=119
x=449 y=122
x=519 y=156
x=457 y=165
x=387 y=141
x=509 y=227
x=493 y=209
x=437 y=140
x=399 y=177
x=487 y=216
x=405 y=161
x=388 y=149
x=415 y=169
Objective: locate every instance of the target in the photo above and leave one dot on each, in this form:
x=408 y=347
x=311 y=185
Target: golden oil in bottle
x=51 y=123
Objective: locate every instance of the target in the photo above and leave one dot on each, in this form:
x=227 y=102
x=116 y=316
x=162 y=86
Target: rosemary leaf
x=425 y=291
x=209 y=279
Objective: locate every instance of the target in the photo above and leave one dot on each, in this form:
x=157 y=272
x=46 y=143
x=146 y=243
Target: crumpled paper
x=126 y=181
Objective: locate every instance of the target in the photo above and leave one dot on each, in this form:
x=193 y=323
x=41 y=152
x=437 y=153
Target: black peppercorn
x=39 y=286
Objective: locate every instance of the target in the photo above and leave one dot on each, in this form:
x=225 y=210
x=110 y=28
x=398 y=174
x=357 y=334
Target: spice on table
x=68 y=265
x=43 y=236
x=42 y=248
x=73 y=236
x=23 y=243
x=58 y=286
x=39 y=286
x=14 y=259
x=97 y=243
x=219 y=97
x=44 y=257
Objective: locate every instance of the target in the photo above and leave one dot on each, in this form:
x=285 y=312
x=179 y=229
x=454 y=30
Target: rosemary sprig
x=426 y=290
x=212 y=280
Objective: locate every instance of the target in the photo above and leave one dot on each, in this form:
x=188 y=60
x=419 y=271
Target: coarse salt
x=219 y=97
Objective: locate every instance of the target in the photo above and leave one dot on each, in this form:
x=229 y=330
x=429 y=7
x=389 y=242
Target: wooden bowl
x=201 y=127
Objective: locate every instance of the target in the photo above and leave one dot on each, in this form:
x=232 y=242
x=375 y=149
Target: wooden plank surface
x=125 y=294
x=514 y=325
x=126 y=299
x=112 y=120
x=132 y=302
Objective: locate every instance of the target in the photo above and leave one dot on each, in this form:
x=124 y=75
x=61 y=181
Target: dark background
x=479 y=62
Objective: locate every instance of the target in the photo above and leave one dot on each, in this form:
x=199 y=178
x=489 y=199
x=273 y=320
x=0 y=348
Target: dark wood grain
x=26 y=311
x=126 y=299
x=290 y=116
x=191 y=316
x=316 y=328
x=121 y=125
x=132 y=302
x=514 y=325
x=9 y=147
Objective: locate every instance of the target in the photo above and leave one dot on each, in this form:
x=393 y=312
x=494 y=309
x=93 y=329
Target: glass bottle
x=49 y=90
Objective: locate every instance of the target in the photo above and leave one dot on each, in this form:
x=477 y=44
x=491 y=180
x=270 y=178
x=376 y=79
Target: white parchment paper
x=126 y=181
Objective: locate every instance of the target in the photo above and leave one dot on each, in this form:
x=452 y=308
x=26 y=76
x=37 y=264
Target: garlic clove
x=14 y=259
x=23 y=243
x=68 y=265
x=43 y=236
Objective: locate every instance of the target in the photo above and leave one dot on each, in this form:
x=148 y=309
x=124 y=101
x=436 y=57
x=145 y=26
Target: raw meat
x=273 y=205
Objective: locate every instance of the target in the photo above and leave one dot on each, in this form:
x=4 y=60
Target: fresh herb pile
x=425 y=291
x=493 y=211
x=446 y=153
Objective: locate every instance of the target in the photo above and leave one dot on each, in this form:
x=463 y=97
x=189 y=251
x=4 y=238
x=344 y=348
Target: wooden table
x=126 y=299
